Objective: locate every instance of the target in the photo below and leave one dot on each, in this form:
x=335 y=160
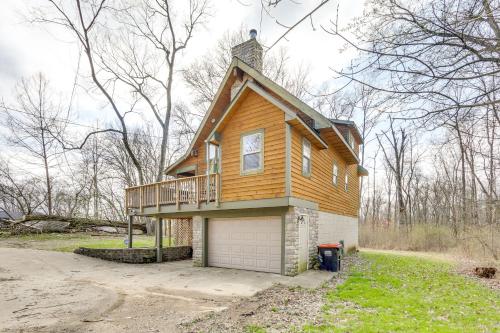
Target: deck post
x=130 y=231
x=158 y=197
x=177 y=202
x=141 y=193
x=208 y=188
x=159 y=239
x=169 y=232
x=197 y=190
x=217 y=189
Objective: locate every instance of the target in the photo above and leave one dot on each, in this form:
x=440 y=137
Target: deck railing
x=189 y=190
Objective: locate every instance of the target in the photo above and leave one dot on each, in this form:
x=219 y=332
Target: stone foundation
x=137 y=255
x=197 y=241
x=334 y=227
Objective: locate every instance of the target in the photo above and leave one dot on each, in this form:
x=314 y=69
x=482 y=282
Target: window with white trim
x=306 y=157
x=346 y=181
x=335 y=172
x=213 y=158
x=350 y=139
x=252 y=159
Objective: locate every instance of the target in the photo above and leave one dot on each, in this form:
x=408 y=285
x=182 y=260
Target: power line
x=296 y=24
x=68 y=122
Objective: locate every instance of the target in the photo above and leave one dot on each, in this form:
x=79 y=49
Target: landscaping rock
x=137 y=255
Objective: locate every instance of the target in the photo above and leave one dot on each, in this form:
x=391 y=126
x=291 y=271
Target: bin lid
x=330 y=246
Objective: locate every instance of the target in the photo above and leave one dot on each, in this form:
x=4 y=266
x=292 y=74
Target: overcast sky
x=27 y=48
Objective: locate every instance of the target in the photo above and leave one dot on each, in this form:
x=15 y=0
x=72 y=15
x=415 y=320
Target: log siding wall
x=254 y=113
x=319 y=186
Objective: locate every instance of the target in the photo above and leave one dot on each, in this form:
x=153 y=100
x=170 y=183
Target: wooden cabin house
x=265 y=179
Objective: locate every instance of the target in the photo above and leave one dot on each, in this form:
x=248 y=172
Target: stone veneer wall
x=292 y=238
x=250 y=52
x=197 y=241
x=137 y=255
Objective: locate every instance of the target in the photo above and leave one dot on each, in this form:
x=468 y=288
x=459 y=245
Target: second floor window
x=335 y=170
x=213 y=158
x=350 y=140
x=346 y=181
x=306 y=157
x=252 y=159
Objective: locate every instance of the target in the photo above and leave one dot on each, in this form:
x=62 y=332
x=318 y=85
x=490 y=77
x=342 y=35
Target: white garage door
x=251 y=243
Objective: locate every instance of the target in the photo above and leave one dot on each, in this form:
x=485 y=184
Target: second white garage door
x=251 y=243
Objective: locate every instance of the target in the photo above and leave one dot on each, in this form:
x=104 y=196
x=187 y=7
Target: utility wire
x=68 y=122
x=296 y=24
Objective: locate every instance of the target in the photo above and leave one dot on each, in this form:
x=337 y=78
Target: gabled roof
x=291 y=117
x=222 y=103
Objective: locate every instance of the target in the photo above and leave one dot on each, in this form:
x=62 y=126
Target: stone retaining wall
x=137 y=255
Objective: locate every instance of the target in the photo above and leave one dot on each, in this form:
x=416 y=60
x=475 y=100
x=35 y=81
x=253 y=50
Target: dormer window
x=350 y=139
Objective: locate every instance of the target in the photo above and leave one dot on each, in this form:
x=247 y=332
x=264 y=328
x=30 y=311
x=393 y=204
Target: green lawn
x=100 y=243
x=69 y=242
x=393 y=293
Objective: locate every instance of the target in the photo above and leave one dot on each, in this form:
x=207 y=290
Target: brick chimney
x=250 y=51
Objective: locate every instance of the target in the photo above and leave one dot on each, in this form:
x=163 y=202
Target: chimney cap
x=253 y=33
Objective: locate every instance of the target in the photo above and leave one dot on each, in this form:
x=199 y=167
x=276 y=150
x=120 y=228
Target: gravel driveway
x=46 y=291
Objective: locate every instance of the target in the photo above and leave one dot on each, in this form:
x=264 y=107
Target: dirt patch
x=468 y=268
x=277 y=309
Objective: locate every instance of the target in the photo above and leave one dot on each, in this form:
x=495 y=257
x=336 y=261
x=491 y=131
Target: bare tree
x=431 y=55
x=133 y=44
x=204 y=76
x=144 y=55
x=394 y=156
x=21 y=194
x=32 y=120
x=81 y=19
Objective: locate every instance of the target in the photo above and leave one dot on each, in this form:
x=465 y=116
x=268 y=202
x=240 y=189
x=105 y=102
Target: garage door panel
x=249 y=250
x=262 y=250
x=275 y=236
x=262 y=236
x=245 y=243
x=275 y=251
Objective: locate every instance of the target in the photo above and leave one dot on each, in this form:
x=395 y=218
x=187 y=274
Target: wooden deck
x=189 y=190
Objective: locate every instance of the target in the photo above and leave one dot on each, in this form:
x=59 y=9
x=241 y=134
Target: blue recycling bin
x=329 y=257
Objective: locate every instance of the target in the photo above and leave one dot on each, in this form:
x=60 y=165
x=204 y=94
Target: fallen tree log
x=53 y=223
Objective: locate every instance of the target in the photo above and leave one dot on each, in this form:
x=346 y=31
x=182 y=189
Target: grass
x=407 y=294
x=254 y=329
x=69 y=242
x=107 y=244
